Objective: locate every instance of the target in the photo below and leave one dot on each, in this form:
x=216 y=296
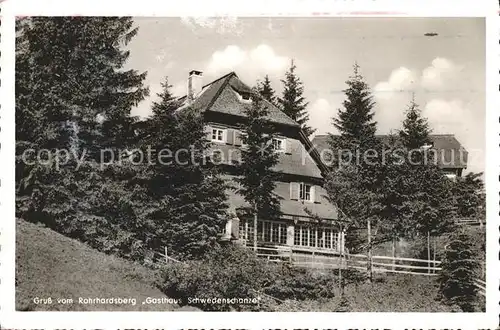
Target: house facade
x=308 y=220
x=446 y=151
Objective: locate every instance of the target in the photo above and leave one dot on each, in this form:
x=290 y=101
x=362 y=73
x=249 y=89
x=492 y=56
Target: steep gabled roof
x=451 y=154
x=221 y=95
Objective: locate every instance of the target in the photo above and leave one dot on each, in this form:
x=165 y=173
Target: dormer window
x=279 y=144
x=244 y=97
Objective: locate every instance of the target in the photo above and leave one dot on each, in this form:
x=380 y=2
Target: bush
x=226 y=272
x=389 y=293
x=302 y=284
x=233 y=272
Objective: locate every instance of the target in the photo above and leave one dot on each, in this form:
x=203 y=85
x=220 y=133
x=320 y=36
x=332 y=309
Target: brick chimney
x=195 y=83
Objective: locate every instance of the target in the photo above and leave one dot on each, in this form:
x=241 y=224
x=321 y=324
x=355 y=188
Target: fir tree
x=355 y=120
x=354 y=186
x=415 y=132
x=72 y=94
x=459 y=271
x=72 y=72
x=188 y=203
x=293 y=102
x=258 y=159
x=395 y=192
x=432 y=207
x=266 y=90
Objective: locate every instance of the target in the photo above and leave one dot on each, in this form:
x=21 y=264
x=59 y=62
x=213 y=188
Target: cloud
x=227 y=59
x=400 y=79
x=447 y=116
x=251 y=63
x=394 y=94
x=321 y=113
x=438 y=73
x=392 y=97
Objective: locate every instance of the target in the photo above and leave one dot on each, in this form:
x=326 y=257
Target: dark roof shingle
x=221 y=95
x=451 y=154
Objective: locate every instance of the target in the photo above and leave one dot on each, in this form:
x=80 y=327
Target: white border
x=455 y=8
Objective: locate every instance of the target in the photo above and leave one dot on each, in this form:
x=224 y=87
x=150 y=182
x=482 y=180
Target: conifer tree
x=354 y=185
x=415 y=132
x=459 y=268
x=74 y=69
x=430 y=191
x=293 y=102
x=395 y=192
x=266 y=90
x=258 y=159
x=188 y=206
x=433 y=204
x=73 y=94
x=355 y=120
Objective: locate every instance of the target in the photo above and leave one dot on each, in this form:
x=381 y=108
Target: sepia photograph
x=250 y=164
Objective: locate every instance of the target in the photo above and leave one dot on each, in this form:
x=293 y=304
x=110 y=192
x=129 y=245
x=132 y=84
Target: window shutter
x=294 y=191
x=208 y=132
x=237 y=138
x=230 y=136
x=316 y=197
x=288 y=146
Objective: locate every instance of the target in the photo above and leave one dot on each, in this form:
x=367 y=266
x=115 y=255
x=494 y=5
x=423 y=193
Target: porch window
x=275 y=233
x=328 y=239
x=321 y=240
x=310 y=236
x=267 y=231
x=296 y=236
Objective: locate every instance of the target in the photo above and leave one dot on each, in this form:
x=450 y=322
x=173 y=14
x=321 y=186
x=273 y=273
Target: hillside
x=49 y=264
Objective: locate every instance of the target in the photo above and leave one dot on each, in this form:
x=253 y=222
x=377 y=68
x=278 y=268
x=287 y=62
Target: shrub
x=226 y=272
x=302 y=284
x=233 y=272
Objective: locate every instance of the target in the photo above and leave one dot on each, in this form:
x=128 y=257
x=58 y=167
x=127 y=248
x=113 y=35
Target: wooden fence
x=324 y=259
x=330 y=259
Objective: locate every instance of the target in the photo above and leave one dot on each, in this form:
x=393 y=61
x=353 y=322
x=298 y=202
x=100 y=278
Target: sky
x=445 y=73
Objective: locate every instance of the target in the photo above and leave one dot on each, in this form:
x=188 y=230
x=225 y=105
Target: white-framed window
x=267 y=231
x=312 y=236
x=279 y=144
x=218 y=134
x=306 y=192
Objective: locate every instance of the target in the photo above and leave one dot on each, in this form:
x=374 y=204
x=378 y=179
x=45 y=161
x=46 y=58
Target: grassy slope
x=388 y=293
x=51 y=265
